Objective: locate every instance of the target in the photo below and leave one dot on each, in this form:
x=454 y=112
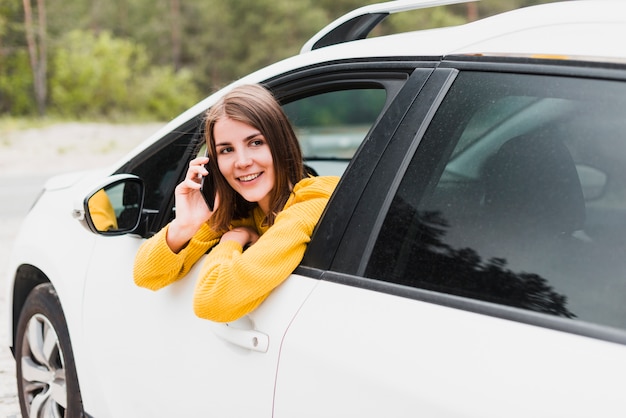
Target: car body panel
x=576 y=28
x=133 y=332
x=344 y=355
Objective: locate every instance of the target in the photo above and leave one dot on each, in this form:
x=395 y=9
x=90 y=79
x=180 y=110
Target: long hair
x=254 y=105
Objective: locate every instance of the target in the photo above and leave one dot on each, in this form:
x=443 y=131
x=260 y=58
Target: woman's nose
x=243 y=160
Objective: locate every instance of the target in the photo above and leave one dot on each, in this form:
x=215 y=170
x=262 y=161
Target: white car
x=471 y=262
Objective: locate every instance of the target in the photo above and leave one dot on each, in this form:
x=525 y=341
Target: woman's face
x=245 y=160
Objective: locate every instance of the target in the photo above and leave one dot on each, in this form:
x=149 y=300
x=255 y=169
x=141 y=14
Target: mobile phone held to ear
x=207 y=188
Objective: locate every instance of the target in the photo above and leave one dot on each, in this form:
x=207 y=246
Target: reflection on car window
x=517 y=196
x=332 y=125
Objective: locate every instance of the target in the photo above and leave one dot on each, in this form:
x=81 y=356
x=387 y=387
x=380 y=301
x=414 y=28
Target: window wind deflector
x=360 y=22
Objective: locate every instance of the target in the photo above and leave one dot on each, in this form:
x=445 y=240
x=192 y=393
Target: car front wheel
x=46 y=376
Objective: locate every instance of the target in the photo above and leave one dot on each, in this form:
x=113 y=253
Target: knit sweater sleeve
x=156 y=266
x=234 y=282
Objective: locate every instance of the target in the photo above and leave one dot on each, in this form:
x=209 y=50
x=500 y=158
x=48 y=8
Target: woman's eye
x=257 y=142
x=225 y=150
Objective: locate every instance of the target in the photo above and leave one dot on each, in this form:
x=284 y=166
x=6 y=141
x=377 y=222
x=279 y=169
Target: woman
x=265 y=210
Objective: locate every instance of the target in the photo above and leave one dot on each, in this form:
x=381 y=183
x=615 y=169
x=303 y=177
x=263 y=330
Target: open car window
x=331 y=126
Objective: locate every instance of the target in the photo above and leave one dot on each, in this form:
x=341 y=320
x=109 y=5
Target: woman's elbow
x=215 y=311
x=222 y=309
x=145 y=282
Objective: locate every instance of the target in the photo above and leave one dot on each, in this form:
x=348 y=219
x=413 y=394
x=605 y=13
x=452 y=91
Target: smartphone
x=207 y=187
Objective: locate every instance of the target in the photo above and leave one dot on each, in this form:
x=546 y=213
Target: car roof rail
x=358 y=23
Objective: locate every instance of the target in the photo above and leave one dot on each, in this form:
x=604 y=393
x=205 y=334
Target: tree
x=37 y=50
x=176 y=35
x=101 y=75
x=239 y=36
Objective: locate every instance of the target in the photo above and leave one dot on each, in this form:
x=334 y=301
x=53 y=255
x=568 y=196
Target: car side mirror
x=115 y=208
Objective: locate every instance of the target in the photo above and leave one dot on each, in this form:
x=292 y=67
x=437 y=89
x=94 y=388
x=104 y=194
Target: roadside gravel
x=29 y=157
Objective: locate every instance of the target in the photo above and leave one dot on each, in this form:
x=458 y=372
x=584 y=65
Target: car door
x=151 y=355
x=479 y=273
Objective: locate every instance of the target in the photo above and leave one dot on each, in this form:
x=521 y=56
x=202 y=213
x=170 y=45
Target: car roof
x=593 y=29
x=358 y=23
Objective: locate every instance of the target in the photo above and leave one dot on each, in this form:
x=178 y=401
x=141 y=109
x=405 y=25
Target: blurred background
x=138 y=60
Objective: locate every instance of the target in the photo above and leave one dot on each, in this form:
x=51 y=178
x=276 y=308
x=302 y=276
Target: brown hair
x=254 y=105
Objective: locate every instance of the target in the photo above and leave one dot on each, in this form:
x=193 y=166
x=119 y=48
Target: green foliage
x=92 y=74
x=106 y=76
x=340 y=108
x=236 y=37
x=163 y=94
x=284 y=29
x=16 y=84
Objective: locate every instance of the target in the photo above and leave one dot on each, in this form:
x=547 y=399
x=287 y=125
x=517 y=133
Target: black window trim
x=537 y=66
x=447 y=78
x=379 y=179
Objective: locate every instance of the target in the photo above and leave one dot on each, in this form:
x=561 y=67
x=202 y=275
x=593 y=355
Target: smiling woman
x=266 y=208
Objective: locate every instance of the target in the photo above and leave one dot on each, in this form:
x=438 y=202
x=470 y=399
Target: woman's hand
x=191 y=209
x=243 y=235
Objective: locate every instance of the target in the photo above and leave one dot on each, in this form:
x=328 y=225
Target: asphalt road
x=17 y=195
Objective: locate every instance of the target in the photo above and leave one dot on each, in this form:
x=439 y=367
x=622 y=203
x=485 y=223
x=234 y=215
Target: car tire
x=46 y=375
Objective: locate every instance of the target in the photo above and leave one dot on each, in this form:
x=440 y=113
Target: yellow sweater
x=233 y=282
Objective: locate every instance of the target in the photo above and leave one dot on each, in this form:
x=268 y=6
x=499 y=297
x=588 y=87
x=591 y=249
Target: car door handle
x=246 y=338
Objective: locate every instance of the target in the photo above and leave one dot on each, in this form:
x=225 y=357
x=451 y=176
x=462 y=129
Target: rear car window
x=517 y=196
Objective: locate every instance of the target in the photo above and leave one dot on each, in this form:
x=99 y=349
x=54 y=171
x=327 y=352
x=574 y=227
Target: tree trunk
x=37 y=51
x=175 y=22
x=95 y=16
x=472 y=12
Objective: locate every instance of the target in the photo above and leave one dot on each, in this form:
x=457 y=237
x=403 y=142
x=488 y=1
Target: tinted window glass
x=517 y=195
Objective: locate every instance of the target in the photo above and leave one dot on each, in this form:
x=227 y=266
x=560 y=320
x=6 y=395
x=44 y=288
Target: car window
x=331 y=126
x=517 y=196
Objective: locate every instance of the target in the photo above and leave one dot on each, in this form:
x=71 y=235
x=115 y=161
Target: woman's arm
x=157 y=266
x=170 y=254
x=234 y=282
